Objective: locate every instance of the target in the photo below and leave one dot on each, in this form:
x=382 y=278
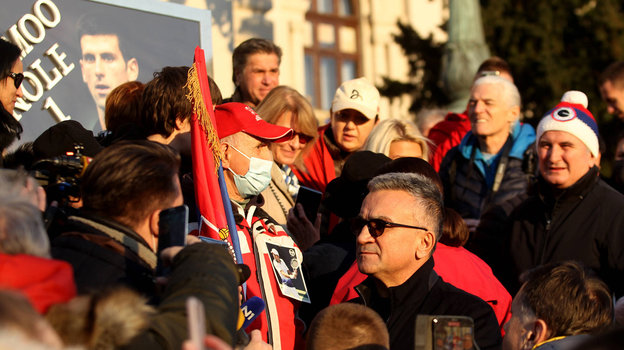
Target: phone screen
x=452 y=333
x=310 y=200
x=172 y=227
x=172 y=231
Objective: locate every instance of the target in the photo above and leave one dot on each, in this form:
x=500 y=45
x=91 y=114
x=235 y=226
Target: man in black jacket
x=115 y=237
x=399 y=224
x=571 y=214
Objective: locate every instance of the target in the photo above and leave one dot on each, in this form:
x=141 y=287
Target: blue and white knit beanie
x=571 y=115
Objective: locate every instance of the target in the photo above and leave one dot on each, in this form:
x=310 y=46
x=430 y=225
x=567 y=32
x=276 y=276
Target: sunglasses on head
x=376 y=227
x=17 y=79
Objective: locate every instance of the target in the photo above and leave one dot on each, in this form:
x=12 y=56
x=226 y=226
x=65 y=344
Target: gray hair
x=21 y=229
x=421 y=188
x=510 y=92
x=18 y=184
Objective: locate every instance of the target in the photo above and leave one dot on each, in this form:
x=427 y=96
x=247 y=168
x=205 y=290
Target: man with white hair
x=487 y=166
x=247 y=160
x=571 y=214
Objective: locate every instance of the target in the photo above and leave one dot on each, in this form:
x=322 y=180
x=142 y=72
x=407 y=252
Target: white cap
x=358 y=94
x=274 y=251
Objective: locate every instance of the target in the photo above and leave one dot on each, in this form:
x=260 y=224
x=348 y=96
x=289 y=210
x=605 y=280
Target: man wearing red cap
x=247 y=162
x=571 y=214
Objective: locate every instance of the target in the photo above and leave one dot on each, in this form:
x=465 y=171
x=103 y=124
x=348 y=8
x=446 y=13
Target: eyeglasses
x=17 y=79
x=376 y=227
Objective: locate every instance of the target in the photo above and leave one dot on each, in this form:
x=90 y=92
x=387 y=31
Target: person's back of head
x=347 y=326
x=123 y=105
x=455 y=232
x=21 y=228
x=568 y=297
x=128 y=180
x=164 y=101
x=495 y=66
x=21 y=327
x=16 y=183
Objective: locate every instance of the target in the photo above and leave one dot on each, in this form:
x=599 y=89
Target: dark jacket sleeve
x=207 y=272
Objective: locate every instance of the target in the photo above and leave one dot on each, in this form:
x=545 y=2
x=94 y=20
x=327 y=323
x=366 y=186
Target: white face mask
x=258 y=176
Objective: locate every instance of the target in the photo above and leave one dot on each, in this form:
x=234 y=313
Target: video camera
x=60 y=176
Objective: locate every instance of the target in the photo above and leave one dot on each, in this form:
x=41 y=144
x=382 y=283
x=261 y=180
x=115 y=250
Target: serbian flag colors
x=217 y=220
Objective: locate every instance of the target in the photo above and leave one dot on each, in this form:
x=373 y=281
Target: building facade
x=324 y=42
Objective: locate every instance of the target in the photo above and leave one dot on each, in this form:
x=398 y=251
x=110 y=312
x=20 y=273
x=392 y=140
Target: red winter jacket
x=43 y=281
x=281 y=325
x=446 y=135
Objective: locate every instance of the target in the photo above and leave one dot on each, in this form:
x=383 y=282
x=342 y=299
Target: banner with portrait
x=75 y=52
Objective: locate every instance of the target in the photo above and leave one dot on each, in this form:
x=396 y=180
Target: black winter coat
x=465 y=188
x=425 y=293
x=584 y=222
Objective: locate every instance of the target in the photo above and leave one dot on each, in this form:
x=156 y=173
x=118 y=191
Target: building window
x=331 y=48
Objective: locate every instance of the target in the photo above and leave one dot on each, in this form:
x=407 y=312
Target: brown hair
x=614 y=73
x=128 y=180
x=346 y=326
x=123 y=105
x=164 y=101
x=496 y=64
x=455 y=232
x=284 y=99
x=568 y=297
x=250 y=47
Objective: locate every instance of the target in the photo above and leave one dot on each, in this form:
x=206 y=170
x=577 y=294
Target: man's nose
x=99 y=69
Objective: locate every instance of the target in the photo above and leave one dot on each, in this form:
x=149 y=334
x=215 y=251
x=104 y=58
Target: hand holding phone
x=310 y=200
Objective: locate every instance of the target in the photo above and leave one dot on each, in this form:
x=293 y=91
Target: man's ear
x=424 y=244
x=132 y=68
x=153 y=222
x=514 y=114
x=225 y=161
x=538 y=333
x=183 y=124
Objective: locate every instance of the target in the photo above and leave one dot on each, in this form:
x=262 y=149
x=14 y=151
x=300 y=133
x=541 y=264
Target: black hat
x=62 y=138
x=344 y=195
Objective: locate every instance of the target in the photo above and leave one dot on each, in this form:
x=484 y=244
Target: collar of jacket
x=120 y=233
x=523 y=135
x=413 y=291
x=334 y=150
x=581 y=187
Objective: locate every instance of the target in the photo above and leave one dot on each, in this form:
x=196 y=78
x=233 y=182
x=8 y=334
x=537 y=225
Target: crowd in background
x=473 y=214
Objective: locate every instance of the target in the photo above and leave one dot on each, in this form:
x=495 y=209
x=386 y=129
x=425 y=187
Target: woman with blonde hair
x=397 y=138
x=285 y=106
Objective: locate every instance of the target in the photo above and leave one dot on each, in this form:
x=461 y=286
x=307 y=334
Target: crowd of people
x=471 y=230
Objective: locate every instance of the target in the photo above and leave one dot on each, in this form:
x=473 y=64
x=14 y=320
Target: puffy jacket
x=468 y=178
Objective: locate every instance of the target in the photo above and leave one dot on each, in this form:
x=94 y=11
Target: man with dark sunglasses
x=399 y=224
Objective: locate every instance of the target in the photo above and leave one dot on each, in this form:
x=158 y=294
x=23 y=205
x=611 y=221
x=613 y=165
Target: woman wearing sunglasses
x=284 y=106
x=11 y=77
